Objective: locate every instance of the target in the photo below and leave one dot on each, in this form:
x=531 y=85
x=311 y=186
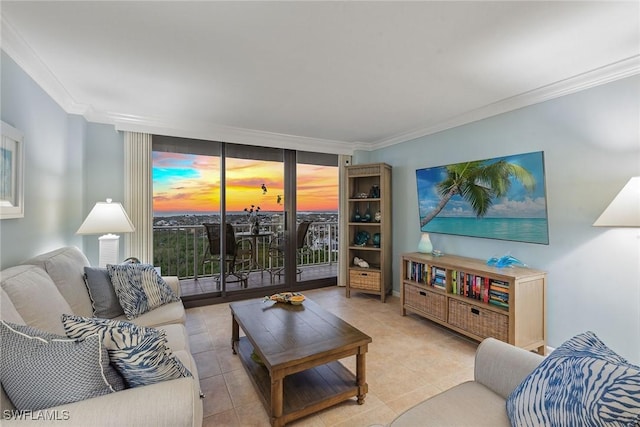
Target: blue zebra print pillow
x=581 y=383
x=140 y=354
x=139 y=288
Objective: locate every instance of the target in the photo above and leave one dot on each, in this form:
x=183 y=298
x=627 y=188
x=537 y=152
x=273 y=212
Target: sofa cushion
x=139 y=353
x=65 y=266
x=177 y=337
x=139 y=288
x=35 y=297
x=164 y=315
x=8 y=310
x=40 y=370
x=103 y=296
x=467 y=404
x=582 y=382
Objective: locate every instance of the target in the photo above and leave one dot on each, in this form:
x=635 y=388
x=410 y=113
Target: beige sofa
x=499 y=369
x=40 y=290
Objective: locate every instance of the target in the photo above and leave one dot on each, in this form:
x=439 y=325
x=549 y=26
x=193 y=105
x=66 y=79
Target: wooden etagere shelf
x=477 y=300
x=369 y=207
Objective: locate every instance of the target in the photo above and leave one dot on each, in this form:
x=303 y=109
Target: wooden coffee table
x=299 y=347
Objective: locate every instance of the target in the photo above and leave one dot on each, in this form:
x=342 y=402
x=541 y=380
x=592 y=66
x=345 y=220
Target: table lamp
x=624 y=209
x=107 y=217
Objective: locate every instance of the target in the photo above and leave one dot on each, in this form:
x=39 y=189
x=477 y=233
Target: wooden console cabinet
x=476 y=300
x=369 y=206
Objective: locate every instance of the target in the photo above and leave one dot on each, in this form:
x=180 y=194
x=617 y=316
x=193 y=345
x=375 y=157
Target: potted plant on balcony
x=253 y=218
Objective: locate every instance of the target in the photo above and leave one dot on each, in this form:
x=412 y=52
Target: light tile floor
x=409 y=360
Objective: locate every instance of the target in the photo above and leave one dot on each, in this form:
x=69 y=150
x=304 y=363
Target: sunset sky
x=187 y=183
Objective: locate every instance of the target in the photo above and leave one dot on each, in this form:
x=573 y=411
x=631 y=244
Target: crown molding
x=606 y=74
x=213 y=132
x=20 y=51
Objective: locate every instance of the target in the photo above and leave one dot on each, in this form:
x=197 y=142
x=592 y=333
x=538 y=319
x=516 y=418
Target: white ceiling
x=331 y=76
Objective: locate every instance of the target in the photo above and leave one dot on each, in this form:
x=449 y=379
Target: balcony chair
x=238 y=254
x=276 y=250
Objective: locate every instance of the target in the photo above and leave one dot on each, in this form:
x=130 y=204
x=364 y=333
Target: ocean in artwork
x=530 y=230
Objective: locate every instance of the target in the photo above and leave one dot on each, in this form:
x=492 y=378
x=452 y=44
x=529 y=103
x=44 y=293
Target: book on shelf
x=499 y=289
x=470 y=285
x=499 y=299
x=438 y=278
x=454 y=282
x=465 y=288
x=485 y=290
x=495 y=283
x=499 y=296
x=418 y=274
x=499 y=304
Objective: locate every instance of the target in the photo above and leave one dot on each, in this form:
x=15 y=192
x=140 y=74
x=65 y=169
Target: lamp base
x=108 y=250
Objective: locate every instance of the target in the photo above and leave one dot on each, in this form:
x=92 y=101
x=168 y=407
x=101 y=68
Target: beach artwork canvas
x=6 y=175
x=501 y=198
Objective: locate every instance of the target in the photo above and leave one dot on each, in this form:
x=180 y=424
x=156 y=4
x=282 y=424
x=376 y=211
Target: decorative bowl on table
x=295 y=298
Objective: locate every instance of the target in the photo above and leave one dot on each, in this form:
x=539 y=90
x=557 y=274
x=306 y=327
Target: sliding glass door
x=272 y=215
x=255 y=194
x=317 y=195
x=187 y=195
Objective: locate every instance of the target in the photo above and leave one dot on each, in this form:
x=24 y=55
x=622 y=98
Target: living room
x=589 y=136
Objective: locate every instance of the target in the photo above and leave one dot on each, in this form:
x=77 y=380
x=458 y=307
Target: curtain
x=343 y=219
x=138 y=195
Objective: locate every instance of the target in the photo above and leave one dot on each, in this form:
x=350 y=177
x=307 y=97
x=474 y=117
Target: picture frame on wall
x=501 y=198
x=11 y=173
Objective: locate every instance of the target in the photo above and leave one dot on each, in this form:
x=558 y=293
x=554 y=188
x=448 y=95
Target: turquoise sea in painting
x=531 y=230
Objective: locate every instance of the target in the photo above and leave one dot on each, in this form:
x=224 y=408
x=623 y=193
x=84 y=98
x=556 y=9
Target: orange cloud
x=190 y=183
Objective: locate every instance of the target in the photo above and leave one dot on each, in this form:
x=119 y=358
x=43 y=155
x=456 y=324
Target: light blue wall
x=69 y=165
x=103 y=175
x=54 y=148
x=591 y=144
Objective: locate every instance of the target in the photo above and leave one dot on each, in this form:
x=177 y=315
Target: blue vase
x=356 y=215
x=367 y=215
x=376 y=240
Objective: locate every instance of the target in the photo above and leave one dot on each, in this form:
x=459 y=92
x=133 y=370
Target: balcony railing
x=179 y=250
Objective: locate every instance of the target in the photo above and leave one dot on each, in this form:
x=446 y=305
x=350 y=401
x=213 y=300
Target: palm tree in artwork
x=479 y=183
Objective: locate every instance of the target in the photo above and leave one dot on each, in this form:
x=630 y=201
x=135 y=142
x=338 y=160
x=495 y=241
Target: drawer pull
x=423 y=293
x=475 y=311
x=363 y=274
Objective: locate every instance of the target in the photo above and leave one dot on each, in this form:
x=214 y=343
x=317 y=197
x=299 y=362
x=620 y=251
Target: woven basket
x=431 y=303
x=368 y=280
x=365 y=170
x=478 y=320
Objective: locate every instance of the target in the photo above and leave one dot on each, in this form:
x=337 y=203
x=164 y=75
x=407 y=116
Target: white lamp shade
x=624 y=210
x=106 y=217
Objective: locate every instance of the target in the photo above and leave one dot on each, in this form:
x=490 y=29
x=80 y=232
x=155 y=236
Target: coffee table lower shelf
x=305 y=392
